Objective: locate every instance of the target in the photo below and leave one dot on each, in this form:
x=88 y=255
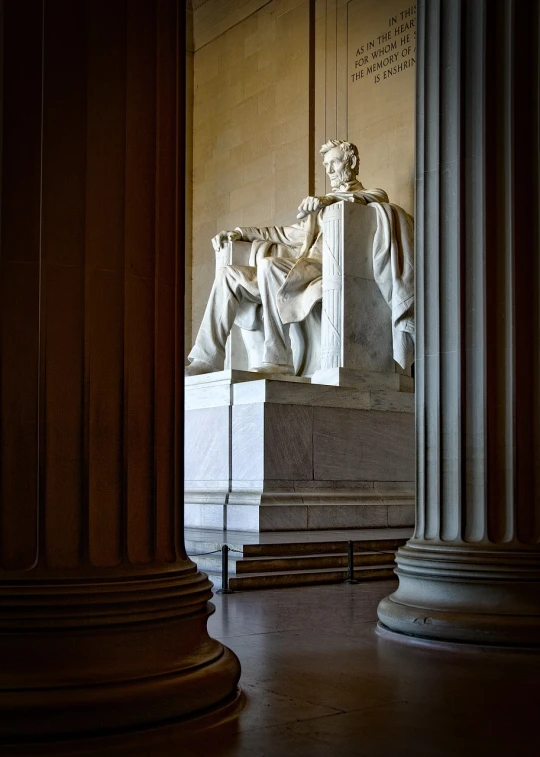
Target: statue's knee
x=264 y=265
x=222 y=274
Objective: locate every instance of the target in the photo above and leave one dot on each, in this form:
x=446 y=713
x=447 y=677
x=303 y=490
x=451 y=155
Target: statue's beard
x=342 y=177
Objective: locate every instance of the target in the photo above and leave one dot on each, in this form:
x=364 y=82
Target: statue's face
x=338 y=169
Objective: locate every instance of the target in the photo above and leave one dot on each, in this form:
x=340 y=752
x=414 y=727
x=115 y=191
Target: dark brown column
x=103 y=617
x=471 y=573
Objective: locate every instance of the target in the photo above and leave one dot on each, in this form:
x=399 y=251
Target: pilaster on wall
x=330 y=101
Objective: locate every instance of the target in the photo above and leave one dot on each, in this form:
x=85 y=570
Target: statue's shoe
x=283 y=370
x=199 y=367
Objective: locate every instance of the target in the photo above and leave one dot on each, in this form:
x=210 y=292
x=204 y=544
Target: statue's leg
x=231 y=284
x=271 y=274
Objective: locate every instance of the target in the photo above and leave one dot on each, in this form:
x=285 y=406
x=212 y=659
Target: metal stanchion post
x=350 y=564
x=225 y=571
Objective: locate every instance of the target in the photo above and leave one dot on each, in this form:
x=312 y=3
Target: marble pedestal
x=273 y=454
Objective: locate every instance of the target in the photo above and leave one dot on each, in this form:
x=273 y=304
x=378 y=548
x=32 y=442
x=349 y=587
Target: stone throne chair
x=245 y=347
x=347 y=338
x=336 y=450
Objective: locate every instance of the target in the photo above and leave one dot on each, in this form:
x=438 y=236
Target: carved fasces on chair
x=332 y=305
x=356 y=330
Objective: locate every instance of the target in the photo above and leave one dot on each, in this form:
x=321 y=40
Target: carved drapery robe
x=393 y=265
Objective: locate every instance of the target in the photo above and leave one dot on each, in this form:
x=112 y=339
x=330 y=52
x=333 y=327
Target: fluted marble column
x=103 y=616
x=471 y=572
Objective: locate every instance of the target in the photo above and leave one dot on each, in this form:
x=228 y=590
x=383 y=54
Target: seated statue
x=284 y=278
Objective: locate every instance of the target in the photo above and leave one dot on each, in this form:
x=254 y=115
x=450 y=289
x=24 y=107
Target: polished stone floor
x=320 y=682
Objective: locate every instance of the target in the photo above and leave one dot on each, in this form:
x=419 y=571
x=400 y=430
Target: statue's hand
x=311 y=205
x=225 y=236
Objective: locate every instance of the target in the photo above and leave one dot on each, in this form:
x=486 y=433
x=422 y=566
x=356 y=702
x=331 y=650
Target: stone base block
x=272 y=455
x=367 y=380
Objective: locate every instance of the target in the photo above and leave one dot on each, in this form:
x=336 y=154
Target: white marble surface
x=213 y=395
x=206 y=451
x=198 y=515
x=307 y=394
x=369 y=445
x=248 y=442
x=356 y=325
x=360 y=379
x=365 y=254
x=208 y=492
x=270 y=441
x=398 y=402
x=209 y=537
x=367 y=328
x=232 y=376
x=372 y=394
x=289 y=454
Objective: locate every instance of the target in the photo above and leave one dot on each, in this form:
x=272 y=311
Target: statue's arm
x=291 y=236
x=315 y=204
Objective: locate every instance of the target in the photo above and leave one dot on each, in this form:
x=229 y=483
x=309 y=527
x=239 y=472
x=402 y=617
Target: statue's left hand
x=225 y=236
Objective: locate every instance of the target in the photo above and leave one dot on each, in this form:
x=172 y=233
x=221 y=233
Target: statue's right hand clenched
x=225 y=236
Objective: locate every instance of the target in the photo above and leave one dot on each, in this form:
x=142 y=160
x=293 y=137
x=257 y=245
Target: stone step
x=323 y=547
x=293 y=563
x=196 y=548
x=308 y=562
x=308 y=577
x=263 y=572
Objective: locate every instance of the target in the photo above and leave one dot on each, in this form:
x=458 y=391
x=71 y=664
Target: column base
x=150 y=740
x=482 y=596
x=89 y=658
x=449 y=646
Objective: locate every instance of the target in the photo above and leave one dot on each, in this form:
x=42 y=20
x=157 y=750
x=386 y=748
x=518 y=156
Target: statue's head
x=340 y=161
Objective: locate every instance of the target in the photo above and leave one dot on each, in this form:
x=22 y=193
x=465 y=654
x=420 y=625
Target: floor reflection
x=319 y=681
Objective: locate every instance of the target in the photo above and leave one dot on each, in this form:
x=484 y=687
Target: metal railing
x=225 y=549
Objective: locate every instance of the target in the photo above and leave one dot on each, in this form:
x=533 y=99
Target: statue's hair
x=347 y=148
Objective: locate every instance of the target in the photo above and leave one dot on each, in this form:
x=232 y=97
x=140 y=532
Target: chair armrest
x=233 y=253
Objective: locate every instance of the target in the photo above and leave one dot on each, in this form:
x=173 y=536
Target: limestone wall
x=272 y=82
